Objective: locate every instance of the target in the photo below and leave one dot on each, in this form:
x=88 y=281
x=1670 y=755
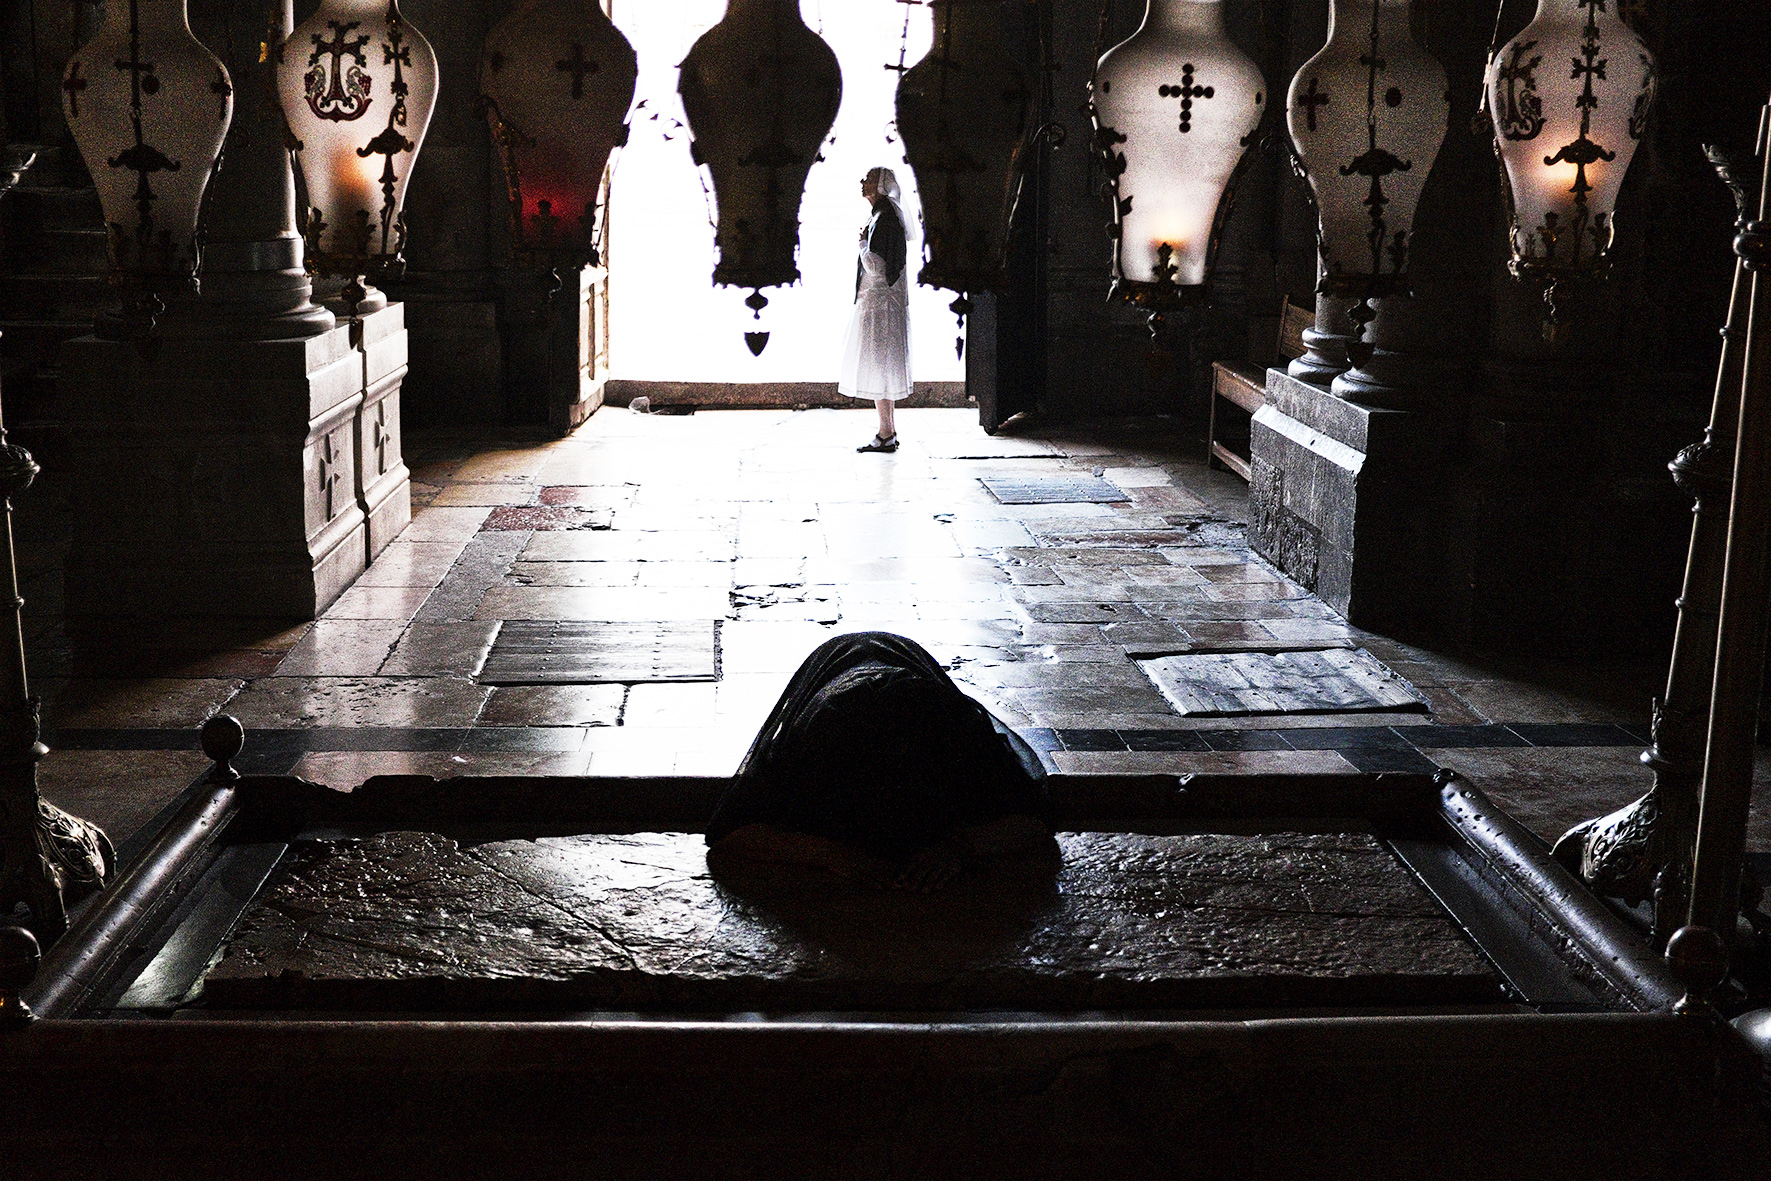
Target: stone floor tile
x=591 y=546
x=990 y=535
x=411 y=563
x=448 y=525
x=1164 y=576
x=1183 y=762
x=602 y=603
x=485 y=562
x=771 y=647
x=1068 y=633
x=1511 y=701
x=289 y=702
x=1053 y=675
x=716 y=575
x=896 y=536
x=476 y=495
x=1083 y=612
x=1105 y=701
x=343 y=648
x=1165 y=500
x=609 y=496
x=118 y=790
x=588 y=573
x=771 y=572
x=1201 y=557
x=441 y=650
x=512 y=465
x=1448 y=708
x=1035 y=576
x=1209 y=631
x=554 y=705
x=106 y=704
x=1239 y=572
x=632 y=763
x=654 y=520
x=689 y=704
x=1137 y=477
x=1081 y=591
x=1141 y=633
x=379 y=602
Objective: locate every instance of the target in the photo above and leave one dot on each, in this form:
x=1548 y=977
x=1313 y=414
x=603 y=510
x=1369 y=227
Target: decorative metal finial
x=19 y=957
x=1699 y=959
x=223 y=740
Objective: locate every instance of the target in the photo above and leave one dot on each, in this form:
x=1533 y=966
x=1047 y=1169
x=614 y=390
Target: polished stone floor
x=769 y=522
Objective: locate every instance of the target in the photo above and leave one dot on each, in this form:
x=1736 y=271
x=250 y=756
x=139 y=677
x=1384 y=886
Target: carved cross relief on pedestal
x=380 y=437
x=330 y=476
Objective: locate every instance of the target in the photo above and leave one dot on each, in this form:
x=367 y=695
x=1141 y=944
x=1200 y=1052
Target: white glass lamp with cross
x=149 y=107
x=1175 y=107
x=1367 y=116
x=357 y=84
x=557 y=78
x=1570 y=98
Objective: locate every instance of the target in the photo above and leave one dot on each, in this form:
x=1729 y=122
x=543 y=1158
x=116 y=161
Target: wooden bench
x=1245 y=386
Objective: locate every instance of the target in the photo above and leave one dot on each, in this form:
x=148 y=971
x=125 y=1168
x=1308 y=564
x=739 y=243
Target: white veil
x=886 y=181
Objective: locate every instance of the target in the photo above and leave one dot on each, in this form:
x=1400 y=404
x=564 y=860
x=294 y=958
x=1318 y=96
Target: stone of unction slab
x=419 y=920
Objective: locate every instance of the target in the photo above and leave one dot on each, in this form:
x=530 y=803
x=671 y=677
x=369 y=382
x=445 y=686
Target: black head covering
x=874 y=746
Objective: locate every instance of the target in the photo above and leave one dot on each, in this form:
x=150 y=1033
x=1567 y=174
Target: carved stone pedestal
x=1336 y=500
x=232 y=479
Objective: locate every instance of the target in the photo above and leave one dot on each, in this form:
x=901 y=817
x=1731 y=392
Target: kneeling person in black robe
x=875 y=767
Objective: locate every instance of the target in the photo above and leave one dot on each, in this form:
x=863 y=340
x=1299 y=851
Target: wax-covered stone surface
x=419 y=920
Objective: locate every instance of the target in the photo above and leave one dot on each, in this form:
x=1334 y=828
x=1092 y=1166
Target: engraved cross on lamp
x=1569 y=97
x=357 y=84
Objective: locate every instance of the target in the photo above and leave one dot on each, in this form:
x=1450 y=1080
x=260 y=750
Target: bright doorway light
x=667 y=321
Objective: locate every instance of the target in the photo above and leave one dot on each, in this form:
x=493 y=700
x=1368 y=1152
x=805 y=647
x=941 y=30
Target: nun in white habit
x=876 y=352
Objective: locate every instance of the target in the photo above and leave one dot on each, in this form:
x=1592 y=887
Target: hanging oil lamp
x=761 y=91
x=148 y=107
x=964 y=114
x=557 y=79
x=1569 y=97
x=1367 y=116
x=357 y=84
x=1175 y=107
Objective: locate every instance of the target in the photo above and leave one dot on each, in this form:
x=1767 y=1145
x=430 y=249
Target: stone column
x=254 y=284
x=1325 y=355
